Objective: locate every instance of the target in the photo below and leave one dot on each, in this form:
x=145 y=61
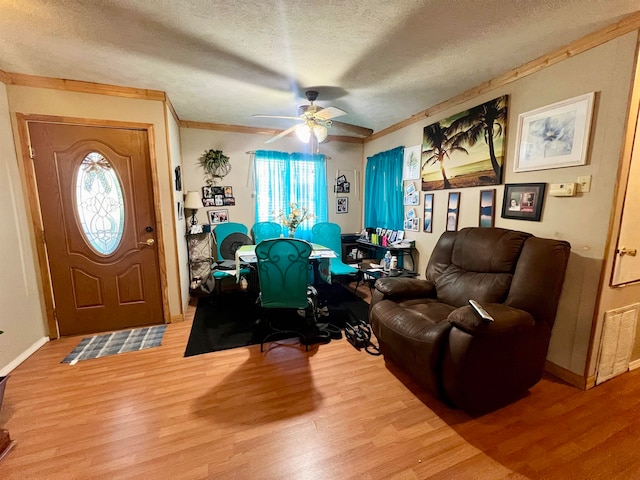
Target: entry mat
x=116 y=342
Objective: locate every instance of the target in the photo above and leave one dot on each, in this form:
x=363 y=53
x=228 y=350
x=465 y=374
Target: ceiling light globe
x=303 y=132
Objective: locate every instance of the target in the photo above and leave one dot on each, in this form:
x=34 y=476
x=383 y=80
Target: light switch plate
x=584 y=183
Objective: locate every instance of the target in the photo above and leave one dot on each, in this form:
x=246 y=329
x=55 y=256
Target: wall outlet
x=584 y=184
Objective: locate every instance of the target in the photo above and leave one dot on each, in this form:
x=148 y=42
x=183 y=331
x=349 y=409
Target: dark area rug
x=230 y=320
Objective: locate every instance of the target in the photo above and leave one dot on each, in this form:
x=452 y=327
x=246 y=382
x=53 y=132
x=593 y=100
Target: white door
x=626 y=267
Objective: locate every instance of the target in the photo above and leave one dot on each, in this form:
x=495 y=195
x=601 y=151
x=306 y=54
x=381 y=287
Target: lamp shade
x=192 y=200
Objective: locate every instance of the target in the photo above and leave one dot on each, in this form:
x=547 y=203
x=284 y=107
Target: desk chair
x=283 y=272
x=229 y=236
x=328 y=235
x=265 y=231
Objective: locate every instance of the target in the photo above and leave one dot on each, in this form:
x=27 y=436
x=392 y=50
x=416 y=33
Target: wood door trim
x=30 y=188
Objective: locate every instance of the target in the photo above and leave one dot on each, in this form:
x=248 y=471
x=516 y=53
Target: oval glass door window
x=99 y=204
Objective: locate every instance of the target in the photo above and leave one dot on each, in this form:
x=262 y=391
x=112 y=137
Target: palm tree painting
x=466 y=149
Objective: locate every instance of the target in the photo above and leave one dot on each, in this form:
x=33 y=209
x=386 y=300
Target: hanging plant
x=216 y=165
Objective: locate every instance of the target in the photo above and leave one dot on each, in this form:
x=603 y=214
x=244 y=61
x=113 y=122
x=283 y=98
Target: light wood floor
x=330 y=413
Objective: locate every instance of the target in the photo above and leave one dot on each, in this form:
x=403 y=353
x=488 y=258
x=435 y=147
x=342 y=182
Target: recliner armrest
x=405 y=287
x=507 y=320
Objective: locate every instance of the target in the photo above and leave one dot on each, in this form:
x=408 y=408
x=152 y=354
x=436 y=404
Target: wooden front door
x=96 y=198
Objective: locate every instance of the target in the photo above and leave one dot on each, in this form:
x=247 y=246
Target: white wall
x=582 y=220
x=22 y=317
x=344 y=156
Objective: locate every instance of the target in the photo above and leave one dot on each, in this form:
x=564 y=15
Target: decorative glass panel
x=99 y=203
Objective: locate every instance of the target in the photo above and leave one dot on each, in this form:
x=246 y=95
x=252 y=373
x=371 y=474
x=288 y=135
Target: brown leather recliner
x=428 y=328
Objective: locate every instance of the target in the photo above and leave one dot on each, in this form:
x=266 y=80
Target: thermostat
x=562 y=189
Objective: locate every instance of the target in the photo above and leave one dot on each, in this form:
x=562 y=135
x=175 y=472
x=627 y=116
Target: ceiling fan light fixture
x=303 y=132
x=320 y=131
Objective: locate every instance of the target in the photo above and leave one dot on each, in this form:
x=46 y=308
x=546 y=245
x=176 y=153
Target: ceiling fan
x=314 y=122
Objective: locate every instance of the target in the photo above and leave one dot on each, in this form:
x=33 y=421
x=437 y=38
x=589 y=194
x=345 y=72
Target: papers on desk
x=249 y=258
x=325 y=254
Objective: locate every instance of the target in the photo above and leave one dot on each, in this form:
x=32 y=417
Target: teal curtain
x=383 y=201
x=283 y=178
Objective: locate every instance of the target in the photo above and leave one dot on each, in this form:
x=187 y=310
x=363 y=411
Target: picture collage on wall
x=467 y=150
x=213 y=196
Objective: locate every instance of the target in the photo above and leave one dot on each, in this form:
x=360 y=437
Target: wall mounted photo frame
x=487 y=208
x=342 y=205
x=452 y=158
x=411 y=164
x=218 y=216
x=178 y=178
x=180 y=210
x=428 y=213
x=523 y=201
x=554 y=136
x=411 y=195
x=453 y=207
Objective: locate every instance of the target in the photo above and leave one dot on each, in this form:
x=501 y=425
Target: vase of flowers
x=296 y=216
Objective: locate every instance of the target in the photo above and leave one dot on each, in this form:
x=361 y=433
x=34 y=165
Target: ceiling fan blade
x=284 y=133
x=330 y=112
x=275 y=116
x=347 y=127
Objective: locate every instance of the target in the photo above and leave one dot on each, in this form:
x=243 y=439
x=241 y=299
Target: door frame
x=37 y=229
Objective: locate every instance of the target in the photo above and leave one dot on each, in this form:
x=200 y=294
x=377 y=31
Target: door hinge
x=32 y=154
x=42 y=237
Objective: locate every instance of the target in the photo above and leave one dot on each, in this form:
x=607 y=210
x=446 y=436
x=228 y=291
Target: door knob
x=148 y=242
x=627 y=251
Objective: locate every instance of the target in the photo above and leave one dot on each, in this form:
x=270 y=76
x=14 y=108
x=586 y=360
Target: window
x=283 y=178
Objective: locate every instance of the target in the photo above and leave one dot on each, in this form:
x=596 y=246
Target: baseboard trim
x=634 y=364
x=567 y=375
x=23 y=356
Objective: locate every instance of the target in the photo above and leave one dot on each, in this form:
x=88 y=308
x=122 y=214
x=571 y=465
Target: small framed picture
x=218 y=200
x=428 y=213
x=208 y=202
x=342 y=205
x=453 y=207
x=178 y=178
x=487 y=208
x=229 y=201
x=180 y=210
x=218 y=216
x=346 y=187
x=523 y=201
x=207 y=192
x=228 y=192
x=412 y=224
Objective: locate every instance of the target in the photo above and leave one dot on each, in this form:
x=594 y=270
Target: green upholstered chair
x=283 y=272
x=265 y=231
x=328 y=235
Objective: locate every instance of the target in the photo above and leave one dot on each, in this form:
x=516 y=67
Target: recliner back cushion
x=489 y=251
x=481 y=266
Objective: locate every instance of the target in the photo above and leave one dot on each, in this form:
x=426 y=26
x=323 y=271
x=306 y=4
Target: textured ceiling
x=221 y=61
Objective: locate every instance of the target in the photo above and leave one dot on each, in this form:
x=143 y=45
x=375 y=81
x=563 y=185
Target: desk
x=400 y=252
x=319 y=257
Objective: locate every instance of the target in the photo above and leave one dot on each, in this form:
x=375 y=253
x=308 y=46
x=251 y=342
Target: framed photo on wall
x=342 y=205
x=218 y=216
x=453 y=207
x=523 y=201
x=487 y=208
x=428 y=213
x=554 y=136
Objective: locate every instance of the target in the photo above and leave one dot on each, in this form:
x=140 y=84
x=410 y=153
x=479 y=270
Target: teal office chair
x=265 y=231
x=283 y=272
x=328 y=235
x=229 y=236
